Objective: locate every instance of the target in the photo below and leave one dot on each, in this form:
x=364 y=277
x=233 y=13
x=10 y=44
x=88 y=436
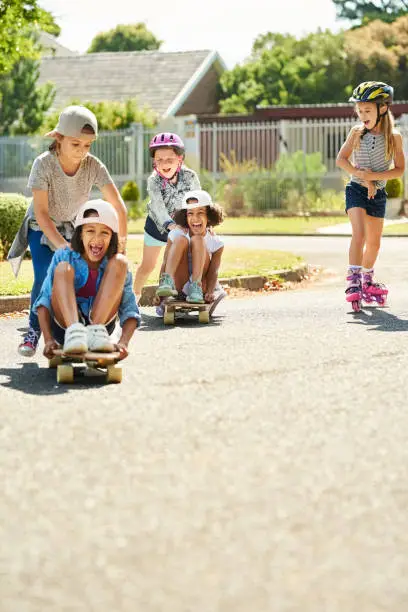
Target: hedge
x=13 y=207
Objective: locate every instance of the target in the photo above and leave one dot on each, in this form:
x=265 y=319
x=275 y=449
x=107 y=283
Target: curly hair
x=215 y=216
x=78 y=246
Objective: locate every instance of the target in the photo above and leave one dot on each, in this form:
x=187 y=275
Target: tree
x=283 y=70
x=23 y=103
x=363 y=11
x=132 y=37
x=379 y=51
x=18 y=19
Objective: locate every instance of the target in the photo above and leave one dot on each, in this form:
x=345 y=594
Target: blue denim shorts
x=356 y=197
x=153 y=236
x=58 y=331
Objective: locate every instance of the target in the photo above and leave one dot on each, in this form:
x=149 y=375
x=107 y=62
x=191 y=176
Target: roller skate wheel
x=356 y=305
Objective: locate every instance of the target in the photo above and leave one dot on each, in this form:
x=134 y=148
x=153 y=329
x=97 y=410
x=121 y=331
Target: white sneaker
x=76 y=339
x=99 y=340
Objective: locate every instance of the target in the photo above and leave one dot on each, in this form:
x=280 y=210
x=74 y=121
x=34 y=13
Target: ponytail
x=387 y=127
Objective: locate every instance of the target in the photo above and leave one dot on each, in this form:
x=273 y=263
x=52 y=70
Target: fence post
x=136 y=153
x=404 y=134
x=214 y=156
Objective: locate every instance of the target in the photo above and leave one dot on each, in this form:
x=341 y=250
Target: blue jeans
x=41 y=256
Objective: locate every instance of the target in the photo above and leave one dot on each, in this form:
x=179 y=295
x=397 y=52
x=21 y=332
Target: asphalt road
x=256 y=464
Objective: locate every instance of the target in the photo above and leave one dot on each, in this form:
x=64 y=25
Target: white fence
x=125 y=152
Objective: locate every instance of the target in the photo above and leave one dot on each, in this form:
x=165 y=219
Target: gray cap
x=72 y=120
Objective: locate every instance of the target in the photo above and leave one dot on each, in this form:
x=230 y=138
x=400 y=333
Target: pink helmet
x=167 y=139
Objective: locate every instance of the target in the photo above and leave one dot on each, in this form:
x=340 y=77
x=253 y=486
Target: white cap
x=72 y=121
x=106 y=214
x=203 y=199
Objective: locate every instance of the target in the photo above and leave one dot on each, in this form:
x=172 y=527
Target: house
x=51 y=46
x=270 y=131
x=171 y=84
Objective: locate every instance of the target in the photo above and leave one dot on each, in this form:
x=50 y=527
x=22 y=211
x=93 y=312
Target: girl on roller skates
x=193 y=254
x=376 y=150
x=166 y=186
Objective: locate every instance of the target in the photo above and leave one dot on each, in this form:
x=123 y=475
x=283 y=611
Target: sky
x=193 y=24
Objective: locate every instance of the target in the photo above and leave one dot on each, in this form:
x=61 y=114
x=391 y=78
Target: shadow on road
x=32 y=379
x=155 y=323
x=380 y=320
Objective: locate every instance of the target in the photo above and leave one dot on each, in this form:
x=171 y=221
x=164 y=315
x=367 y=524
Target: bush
x=293 y=183
x=394 y=188
x=13 y=207
x=130 y=192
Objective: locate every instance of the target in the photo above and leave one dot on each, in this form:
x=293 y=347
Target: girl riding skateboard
x=87 y=287
x=193 y=253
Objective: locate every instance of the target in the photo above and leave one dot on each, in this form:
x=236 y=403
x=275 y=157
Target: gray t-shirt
x=67 y=193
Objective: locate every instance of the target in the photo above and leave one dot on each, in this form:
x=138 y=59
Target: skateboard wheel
x=169 y=318
x=65 y=374
x=113 y=374
x=204 y=316
x=54 y=362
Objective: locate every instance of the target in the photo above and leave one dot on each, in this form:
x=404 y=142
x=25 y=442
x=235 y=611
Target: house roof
x=161 y=80
x=51 y=46
x=301 y=111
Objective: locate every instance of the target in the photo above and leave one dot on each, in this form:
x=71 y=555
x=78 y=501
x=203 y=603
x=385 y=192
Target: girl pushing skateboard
x=61 y=180
x=193 y=253
x=375 y=147
x=166 y=186
x=87 y=287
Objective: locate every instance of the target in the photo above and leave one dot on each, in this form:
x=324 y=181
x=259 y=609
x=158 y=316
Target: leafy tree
x=132 y=37
x=18 y=19
x=23 y=103
x=364 y=11
x=379 y=51
x=110 y=115
x=283 y=70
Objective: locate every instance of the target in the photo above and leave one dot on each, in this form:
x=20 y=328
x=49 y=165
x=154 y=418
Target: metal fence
x=273 y=161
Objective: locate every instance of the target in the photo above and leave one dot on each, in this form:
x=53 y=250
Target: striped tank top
x=371 y=154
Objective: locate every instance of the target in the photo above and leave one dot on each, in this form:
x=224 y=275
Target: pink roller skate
x=373 y=292
x=354 y=293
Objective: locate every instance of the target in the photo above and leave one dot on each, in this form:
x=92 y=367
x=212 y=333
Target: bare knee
x=181 y=241
x=119 y=260
x=373 y=244
x=358 y=240
x=198 y=240
x=64 y=270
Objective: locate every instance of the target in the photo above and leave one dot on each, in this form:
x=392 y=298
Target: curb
x=17 y=303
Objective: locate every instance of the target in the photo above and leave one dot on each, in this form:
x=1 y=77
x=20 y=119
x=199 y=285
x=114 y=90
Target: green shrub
x=13 y=207
x=136 y=210
x=394 y=188
x=130 y=192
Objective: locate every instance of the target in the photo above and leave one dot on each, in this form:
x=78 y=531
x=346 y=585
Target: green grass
x=398 y=228
x=262 y=225
x=235 y=262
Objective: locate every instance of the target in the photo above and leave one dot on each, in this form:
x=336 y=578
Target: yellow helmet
x=373 y=91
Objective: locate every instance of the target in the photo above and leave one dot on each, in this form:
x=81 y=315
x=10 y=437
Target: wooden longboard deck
x=182 y=305
x=101 y=358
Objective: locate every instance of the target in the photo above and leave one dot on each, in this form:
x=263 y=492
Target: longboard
x=64 y=363
x=172 y=306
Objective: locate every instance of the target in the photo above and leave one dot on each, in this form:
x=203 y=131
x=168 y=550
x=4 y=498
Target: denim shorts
x=153 y=236
x=58 y=331
x=356 y=197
